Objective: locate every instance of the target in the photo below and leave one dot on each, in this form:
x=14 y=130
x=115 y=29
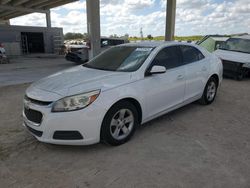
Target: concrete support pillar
x=170 y=20
x=94 y=28
x=48 y=19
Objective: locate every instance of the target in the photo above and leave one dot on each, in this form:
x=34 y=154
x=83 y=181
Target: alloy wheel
x=211 y=91
x=122 y=124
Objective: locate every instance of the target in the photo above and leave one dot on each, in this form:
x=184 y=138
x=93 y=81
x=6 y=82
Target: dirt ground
x=29 y=69
x=195 y=146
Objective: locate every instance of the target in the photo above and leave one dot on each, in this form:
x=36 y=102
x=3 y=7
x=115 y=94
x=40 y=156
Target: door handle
x=180 y=77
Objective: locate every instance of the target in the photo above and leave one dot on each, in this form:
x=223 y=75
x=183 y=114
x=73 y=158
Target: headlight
x=75 y=102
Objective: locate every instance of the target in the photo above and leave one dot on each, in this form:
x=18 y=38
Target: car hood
x=233 y=56
x=76 y=80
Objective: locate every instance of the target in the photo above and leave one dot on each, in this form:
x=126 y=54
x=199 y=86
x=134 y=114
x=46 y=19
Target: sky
x=193 y=17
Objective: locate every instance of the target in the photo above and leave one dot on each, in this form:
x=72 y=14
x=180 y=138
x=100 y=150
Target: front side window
x=191 y=54
x=238 y=45
x=120 y=58
x=168 y=57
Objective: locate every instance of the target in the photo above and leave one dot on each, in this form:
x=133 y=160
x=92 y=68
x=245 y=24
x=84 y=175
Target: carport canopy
x=13 y=8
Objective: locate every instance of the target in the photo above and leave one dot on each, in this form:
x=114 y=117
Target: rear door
x=197 y=68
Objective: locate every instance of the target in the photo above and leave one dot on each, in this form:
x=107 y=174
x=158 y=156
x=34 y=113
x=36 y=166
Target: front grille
x=230 y=65
x=33 y=115
x=67 y=135
x=35 y=132
x=37 y=102
x=233 y=69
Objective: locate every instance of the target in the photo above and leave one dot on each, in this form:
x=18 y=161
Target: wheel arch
x=134 y=102
x=126 y=99
x=216 y=77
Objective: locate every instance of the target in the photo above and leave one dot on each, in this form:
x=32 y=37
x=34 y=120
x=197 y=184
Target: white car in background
x=125 y=86
x=235 y=55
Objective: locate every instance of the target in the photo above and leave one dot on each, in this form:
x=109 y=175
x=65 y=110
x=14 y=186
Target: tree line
x=84 y=36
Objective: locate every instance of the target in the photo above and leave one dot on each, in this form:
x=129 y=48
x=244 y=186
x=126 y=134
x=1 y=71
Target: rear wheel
x=210 y=92
x=119 y=124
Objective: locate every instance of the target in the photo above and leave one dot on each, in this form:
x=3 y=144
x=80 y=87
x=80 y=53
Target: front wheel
x=119 y=124
x=210 y=92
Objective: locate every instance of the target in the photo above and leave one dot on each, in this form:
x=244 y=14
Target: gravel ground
x=195 y=146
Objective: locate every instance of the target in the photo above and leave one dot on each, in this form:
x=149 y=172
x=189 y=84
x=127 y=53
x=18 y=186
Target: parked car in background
x=79 y=53
x=3 y=58
x=212 y=42
x=235 y=55
x=125 y=86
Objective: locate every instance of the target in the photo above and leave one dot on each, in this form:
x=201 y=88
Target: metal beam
x=5 y=13
x=4 y=2
x=18 y=2
x=34 y=3
x=56 y=3
x=12 y=15
x=13 y=8
x=23 y=9
x=45 y=3
x=170 y=20
x=93 y=24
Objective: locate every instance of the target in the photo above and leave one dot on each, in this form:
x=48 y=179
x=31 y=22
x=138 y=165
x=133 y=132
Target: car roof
x=242 y=37
x=153 y=44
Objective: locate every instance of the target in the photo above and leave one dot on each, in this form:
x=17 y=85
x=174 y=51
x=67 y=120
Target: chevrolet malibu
x=107 y=98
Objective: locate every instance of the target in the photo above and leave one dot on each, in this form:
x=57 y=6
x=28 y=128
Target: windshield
x=238 y=45
x=120 y=58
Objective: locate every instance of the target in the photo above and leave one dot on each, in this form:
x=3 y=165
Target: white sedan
x=108 y=97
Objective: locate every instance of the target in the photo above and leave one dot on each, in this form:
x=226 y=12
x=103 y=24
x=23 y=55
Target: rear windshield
x=120 y=58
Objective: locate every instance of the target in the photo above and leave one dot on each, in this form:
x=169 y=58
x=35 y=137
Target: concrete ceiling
x=14 y=8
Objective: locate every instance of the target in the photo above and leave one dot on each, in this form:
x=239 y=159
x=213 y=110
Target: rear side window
x=191 y=54
x=168 y=57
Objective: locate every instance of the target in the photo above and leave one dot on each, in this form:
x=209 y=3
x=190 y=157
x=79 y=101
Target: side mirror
x=158 y=69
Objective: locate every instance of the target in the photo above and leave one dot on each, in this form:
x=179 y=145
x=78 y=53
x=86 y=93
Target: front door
x=164 y=91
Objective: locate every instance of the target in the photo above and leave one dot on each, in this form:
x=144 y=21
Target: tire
x=119 y=123
x=210 y=92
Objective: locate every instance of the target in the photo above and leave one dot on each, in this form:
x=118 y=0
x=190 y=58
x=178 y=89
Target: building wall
x=53 y=37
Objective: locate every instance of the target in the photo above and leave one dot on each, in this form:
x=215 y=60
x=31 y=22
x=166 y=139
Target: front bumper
x=86 y=121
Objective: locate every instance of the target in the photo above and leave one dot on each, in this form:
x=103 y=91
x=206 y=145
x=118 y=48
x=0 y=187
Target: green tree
x=73 y=36
x=150 y=37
